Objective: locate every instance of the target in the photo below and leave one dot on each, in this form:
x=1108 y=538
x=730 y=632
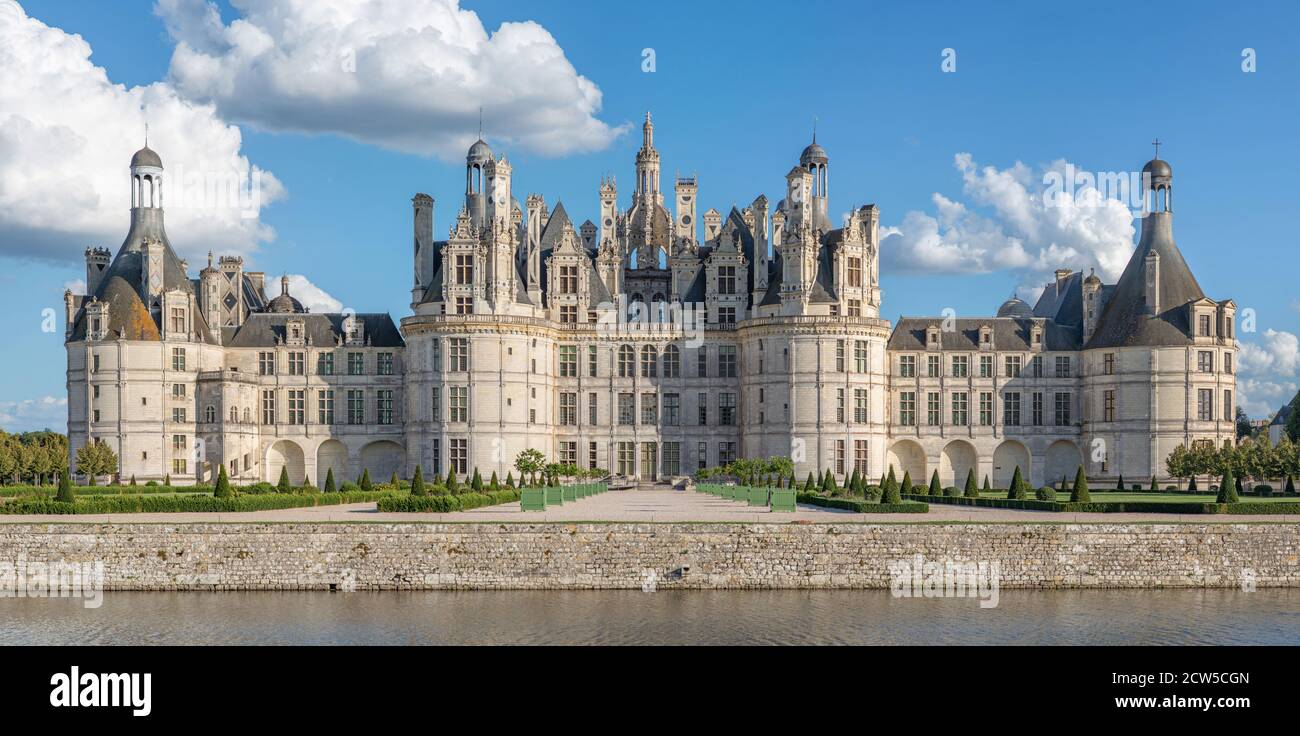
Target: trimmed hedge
x=863 y=507
x=146 y=504
x=49 y=491
x=447 y=502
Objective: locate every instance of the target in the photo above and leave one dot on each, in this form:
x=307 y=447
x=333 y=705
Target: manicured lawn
x=1164 y=497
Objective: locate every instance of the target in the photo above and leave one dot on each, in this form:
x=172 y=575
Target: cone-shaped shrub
x=133 y=479
x=366 y=484
x=810 y=485
x=1290 y=484
x=1154 y=487
x=306 y=481
x=1228 y=489
x=451 y=482
x=477 y=483
x=494 y=484
x=284 y=486
x=826 y=481
x=971 y=490
x=1238 y=485
x=890 y=494
x=987 y=487
x=906 y=488
x=510 y=479
x=1079 y=494
x=1119 y=484
x=935 y=488
x=222 y=489
x=853 y=480
x=417 y=482
x=330 y=486
x=65 y=488
x=393 y=480
x=1191 y=485
x=1017 y=489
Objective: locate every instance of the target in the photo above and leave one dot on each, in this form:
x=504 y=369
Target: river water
x=1267 y=616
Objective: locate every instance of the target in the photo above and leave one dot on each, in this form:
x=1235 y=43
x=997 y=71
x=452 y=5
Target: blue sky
x=734 y=93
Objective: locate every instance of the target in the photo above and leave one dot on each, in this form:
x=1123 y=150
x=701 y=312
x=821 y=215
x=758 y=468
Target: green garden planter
x=570 y=493
x=533 y=499
x=783 y=500
x=554 y=496
x=758 y=496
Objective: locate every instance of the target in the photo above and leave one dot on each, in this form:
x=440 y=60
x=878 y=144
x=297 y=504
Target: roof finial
x=480 y=122
x=146 y=134
x=1156 y=143
x=814 y=128
x=284 y=285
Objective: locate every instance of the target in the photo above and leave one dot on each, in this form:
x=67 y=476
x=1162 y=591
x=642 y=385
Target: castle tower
x=422 y=217
x=97 y=260
x=647 y=165
x=686 y=190
x=476 y=161
x=815 y=160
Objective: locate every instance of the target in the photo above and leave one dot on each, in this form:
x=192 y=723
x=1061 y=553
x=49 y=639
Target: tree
x=1227 y=489
x=330 y=486
x=417 y=482
x=222 y=489
x=1154 y=486
x=890 y=493
x=935 y=488
x=477 y=483
x=1243 y=424
x=284 y=486
x=393 y=480
x=510 y=480
x=93 y=459
x=1119 y=484
x=906 y=488
x=366 y=484
x=1290 y=485
x=528 y=462
x=1079 y=494
x=1293 y=420
x=971 y=490
x=494 y=484
x=1018 y=489
x=65 y=489
x=452 y=486
x=810 y=485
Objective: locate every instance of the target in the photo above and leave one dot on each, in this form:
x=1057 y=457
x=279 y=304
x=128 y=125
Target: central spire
x=648 y=133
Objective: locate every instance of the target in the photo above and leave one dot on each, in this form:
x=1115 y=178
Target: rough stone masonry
x=297 y=556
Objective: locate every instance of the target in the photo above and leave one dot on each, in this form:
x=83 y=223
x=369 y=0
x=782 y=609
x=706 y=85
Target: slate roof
x=265 y=329
x=1009 y=333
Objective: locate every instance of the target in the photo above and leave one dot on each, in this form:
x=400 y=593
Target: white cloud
x=31 y=415
x=1262 y=398
x=406 y=74
x=1278 y=353
x=67 y=133
x=314 y=298
x=1027 y=232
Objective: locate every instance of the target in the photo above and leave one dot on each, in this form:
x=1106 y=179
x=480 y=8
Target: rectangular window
x=178 y=466
x=907 y=366
x=569 y=314
x=384 y=364
x=1012 y=366
x=458 y=354
x=1037 y=409
x=178 y=442
x=1036 y=366
x=702 y=455
x=702 y=362
x=839 y=457
x=1062 y=366
x=464 y=269
x=325 y=406
x=569 y=280
x=860 y=356
x=855 y=272
x=986 y=408
x=458 y=456
x=436 y=461
x=1205 y=405
x=726 y=280
x=297 y=406
x=297 y=363
x=650 y=409
x=1062 y=409
x=1108 y=364
x=933 y=410
x=860 y=405
x=860 y=456
x=960 y=409
x=932 y=366
x=907 y=408
x=855 y=308
x=1227 y=362
x=1011 y=409
x=178 y=391
x=672 y=410
x=435 y=354
x=1108 y=406
x=178 y=415
x=592 y=460
x=727 y=361
x=178 y=359
x=178 y=320
x=268 y=407
x=569 y=453
x=1205 y=361
x=839 y=405
x=703 y=409
x=384 y=405
x=266 y=364
x=672 y=459
x=568 y=361
x=986 y=366
x=626 y=409
x=568 y=409
x=726 y=452
x=726 y=315
x=464 y=305
x=591 y=361
x=435 y=404
x=325 y=364
x=839 y=356
x=960 y=366
x=726 y=409
x=1227 y=404
x=356 y=406
x=356 y=364
x=1203 y=325
x=627 y=458
x=459 y=403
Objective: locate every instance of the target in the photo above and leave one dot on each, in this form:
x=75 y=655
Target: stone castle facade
x=642 y=344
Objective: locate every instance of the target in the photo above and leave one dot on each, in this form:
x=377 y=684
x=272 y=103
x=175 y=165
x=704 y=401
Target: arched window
x=248 y=415
x=626 y=361
x=234 y=415
x=649 y=362
x=672 y=362
x=210 y=414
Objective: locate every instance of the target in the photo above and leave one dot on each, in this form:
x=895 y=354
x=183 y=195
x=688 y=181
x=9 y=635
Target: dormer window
x=1203 y=325
x=932 y=336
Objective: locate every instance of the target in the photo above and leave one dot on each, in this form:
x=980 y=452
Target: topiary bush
x=330 y=487
x=1079 y=494
x=222 y=489
x=284 y=486
x=1227 y=489
x=65 y=489
x=417 y=482
x=971 y=490
x=1046 y=493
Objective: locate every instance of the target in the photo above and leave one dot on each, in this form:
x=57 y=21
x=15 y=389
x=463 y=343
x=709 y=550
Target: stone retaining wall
x=300 y=556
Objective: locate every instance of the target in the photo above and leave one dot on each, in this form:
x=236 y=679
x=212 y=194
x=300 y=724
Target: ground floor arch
x=1062 y=461
x=383 y=458
x=956 y=461
x=283 y=455
x=907 y=457
x=332 y=455
x=1006 y=458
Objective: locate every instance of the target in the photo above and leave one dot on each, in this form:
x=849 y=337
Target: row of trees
x=1256 y=458
x=35 y=458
